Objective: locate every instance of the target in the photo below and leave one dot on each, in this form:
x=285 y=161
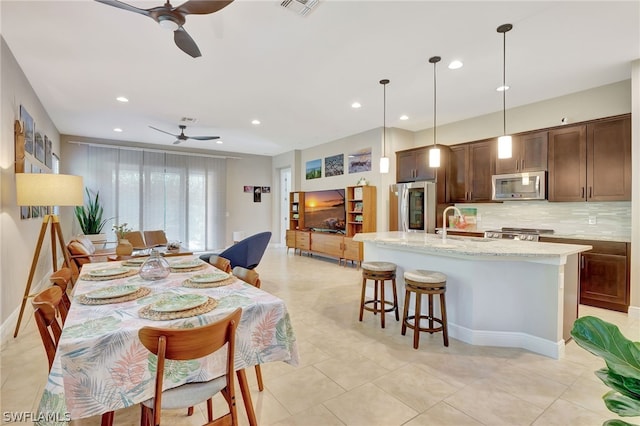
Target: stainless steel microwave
x=520 y=186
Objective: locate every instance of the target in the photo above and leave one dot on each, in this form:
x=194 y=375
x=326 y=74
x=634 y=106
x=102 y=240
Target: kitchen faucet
x=444 y=221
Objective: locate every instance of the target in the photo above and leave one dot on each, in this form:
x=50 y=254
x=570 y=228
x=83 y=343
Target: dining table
x=100 y=364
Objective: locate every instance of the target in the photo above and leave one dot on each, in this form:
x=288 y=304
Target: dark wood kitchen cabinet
x=591 y=161
x=604 y=273
x=529 y=154
x=412 y=165
x=471 y=166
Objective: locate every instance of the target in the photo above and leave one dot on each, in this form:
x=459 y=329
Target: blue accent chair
x=246 y=253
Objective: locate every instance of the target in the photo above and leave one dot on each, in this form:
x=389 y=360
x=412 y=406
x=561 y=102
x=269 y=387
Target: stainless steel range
x=522 y=234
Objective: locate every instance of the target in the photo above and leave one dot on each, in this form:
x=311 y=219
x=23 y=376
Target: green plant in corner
x=90 y=215
x=622 y=357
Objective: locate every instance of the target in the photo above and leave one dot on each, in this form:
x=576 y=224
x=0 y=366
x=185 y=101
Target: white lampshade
x=434 y=157
x=504 y=147
x=384 y=164
x=48 y=189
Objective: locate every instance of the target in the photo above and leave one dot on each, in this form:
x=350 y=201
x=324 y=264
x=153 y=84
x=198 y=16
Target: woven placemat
x=89 y=277
x=133 y=263
x=149 y=313
x=141 y=292
x=195 y=268
x=226 y=281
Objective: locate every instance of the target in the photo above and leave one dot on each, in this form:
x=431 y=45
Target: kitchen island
x=499 y=292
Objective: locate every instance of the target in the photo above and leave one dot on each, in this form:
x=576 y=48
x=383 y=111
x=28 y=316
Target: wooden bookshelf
x=296 y=210
x=361 y=209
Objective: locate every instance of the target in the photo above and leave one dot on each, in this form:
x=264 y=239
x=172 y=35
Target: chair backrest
x=62 y=278
x=220 y=262
x=155 y=238
x=249 y=276
x=46 y=305
x=136 y=239
x=80 y=249
x=190 y=343
x=248 y=252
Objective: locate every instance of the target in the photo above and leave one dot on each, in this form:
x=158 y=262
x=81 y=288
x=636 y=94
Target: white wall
x=18 y=237
x=604 y=101
x=243 y=214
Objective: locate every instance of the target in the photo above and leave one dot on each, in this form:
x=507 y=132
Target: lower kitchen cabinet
x=604 y=273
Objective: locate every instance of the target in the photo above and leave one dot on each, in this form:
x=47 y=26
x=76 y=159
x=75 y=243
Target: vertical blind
x=184 y=195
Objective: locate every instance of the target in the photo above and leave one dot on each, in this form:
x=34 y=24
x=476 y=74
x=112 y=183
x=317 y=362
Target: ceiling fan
x=173 y=18
x=182 y=137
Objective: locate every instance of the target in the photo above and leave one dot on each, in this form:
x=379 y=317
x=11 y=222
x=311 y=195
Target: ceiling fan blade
x=204 y=138
x=121 y=5
x=177 y=142
x=160 y=130
x=201 y=7
x=185 y=43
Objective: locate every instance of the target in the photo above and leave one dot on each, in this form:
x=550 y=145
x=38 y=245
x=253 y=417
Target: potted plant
x=90 y=218
x=622 y=373
x=124 y=247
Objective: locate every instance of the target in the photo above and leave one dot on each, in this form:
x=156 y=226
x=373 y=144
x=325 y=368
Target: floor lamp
x=47 y=189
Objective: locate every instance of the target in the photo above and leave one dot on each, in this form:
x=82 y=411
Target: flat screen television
x=324 y=211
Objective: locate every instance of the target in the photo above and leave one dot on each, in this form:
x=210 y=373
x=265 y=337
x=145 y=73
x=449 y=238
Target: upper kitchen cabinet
x=469 y=173
x=591 y=161
x=413 y=165
x=529 y=154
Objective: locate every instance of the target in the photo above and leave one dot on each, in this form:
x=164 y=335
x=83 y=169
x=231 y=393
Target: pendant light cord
x=384 y=116
x=434 y=60
x=504 y=83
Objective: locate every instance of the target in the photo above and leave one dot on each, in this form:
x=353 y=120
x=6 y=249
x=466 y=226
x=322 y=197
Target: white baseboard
x=634 y=312
x=508 y=339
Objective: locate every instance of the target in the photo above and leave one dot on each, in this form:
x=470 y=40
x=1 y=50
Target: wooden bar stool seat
x=430 y=283
x=379 y=272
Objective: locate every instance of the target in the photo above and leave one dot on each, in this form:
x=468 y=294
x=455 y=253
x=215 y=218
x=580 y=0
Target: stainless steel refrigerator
x=415 y=207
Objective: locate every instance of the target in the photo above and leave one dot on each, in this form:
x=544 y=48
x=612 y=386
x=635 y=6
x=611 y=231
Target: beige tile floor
x=355 y=373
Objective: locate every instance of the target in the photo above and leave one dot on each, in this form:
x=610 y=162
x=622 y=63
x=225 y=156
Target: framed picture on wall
x=334 y=165
x=27 y=122
x=39 y=147
x=360 y=161
x=257 y=194
x=48 y=155
x=314 y=169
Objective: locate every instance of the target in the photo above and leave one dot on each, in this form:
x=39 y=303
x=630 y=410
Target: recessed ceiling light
x=219 y=141
x=356 y=105
x=117 y=129
x=404 y=117
x=122 y=99
x=454 y=65
x=502 y=88
x=255 y=122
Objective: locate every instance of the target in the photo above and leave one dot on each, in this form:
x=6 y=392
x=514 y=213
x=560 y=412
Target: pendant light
x=504 y=141
x=384 y=160
x=434 y=152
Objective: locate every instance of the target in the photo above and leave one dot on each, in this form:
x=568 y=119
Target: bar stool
x=430 y=283
x=379 y=272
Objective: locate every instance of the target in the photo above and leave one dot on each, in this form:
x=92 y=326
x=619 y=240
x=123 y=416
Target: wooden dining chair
x=250 y=276
x=62 y=278
x=220 y=262
x=47 y=304
x=136 y=239
x=155 y=238
x=187 y=344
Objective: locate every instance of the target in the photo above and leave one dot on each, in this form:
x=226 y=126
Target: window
x=185 y=195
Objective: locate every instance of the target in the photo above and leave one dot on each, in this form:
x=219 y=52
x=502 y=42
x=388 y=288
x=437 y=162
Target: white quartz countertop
x=470 y=246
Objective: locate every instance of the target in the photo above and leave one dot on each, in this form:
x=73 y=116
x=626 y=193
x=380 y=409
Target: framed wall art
x=360 y=161
x=313 y=169
x=334 y=165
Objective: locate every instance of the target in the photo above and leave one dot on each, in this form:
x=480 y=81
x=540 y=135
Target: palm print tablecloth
x=101 y=365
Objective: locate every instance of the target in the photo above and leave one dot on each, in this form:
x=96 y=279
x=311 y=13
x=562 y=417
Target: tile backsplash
x=611 y=218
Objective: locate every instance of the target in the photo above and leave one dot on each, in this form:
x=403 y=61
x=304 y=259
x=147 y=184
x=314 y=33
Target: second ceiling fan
x=182 y=137
x=173 y=18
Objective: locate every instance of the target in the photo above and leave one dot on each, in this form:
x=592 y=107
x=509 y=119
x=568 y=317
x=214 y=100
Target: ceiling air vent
x=188 y=120
x=301 y=7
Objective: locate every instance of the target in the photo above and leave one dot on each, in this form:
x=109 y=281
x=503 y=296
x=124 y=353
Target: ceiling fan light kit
x=173 y=18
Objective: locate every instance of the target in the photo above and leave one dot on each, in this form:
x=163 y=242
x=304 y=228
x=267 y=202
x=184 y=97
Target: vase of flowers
x=124 y=247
